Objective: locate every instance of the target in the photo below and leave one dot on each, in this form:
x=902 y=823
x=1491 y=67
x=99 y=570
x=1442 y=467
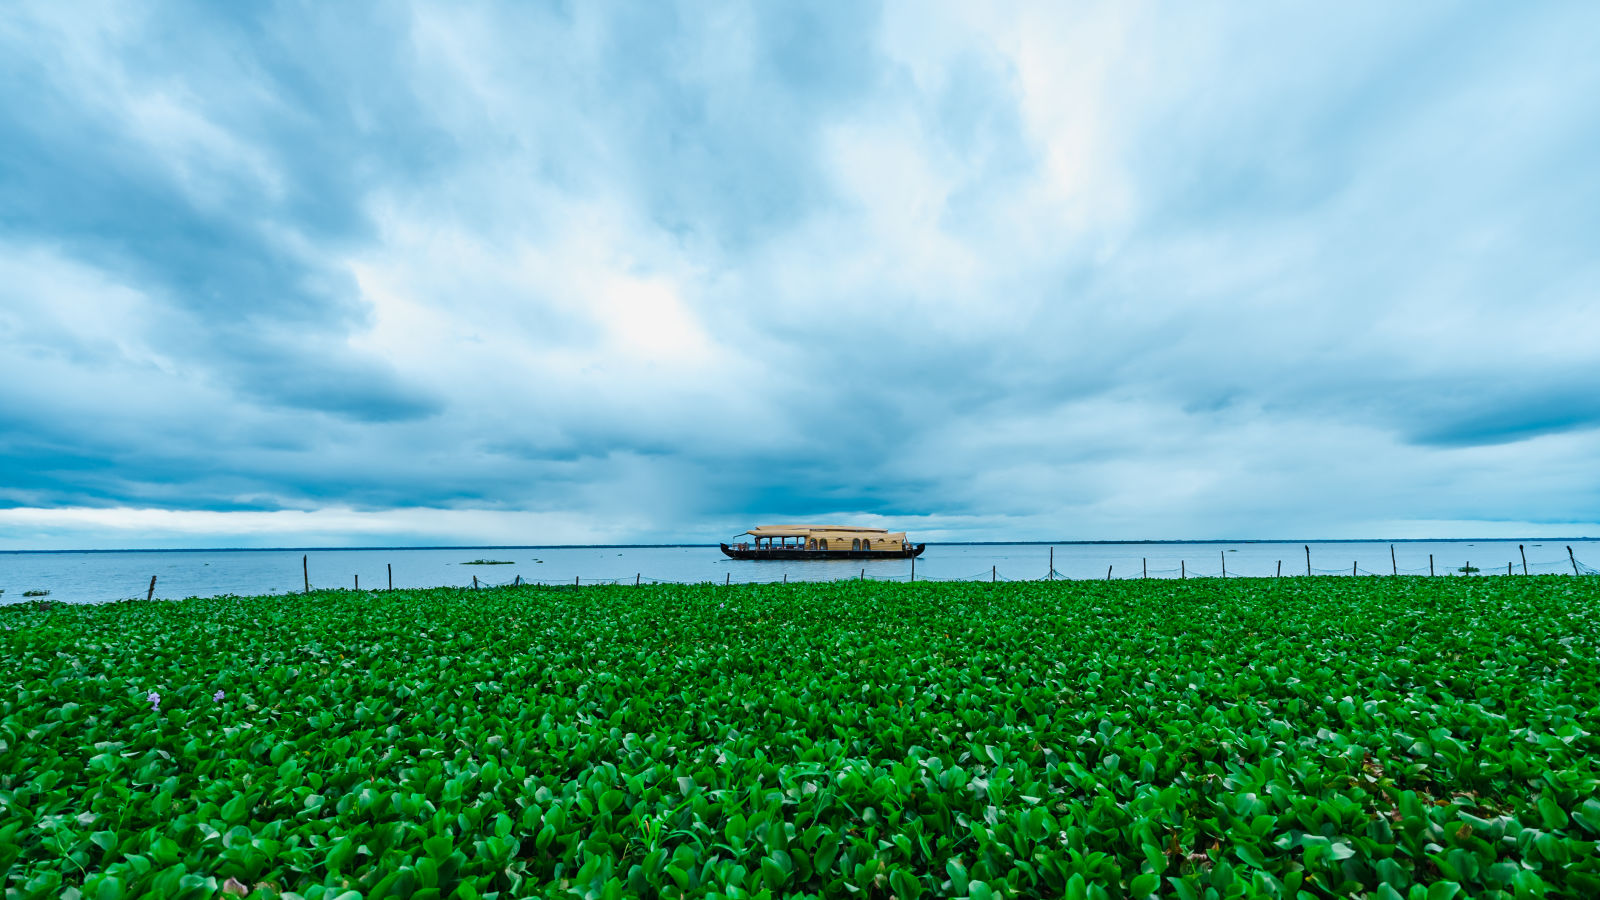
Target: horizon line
x=681 y=545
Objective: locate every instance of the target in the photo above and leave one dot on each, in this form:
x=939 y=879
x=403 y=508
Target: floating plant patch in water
x=1124 y=739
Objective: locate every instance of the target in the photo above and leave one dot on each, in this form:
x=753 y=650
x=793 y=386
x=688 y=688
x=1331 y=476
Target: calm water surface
x=103 y=576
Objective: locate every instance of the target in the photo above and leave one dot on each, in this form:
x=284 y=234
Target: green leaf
x=904 y=885
x=773 y=875
x=1250 y=855
x=236 y=810
x=340 y=854
x=827 y=850
x=736 y=829
x=1181 y=888
x=958 y=874
x=1443 y=890
x=1551 y=812
x=438 y=847
x=1587 y=815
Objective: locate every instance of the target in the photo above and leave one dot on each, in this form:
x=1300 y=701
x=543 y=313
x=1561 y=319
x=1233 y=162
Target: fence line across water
x=994 y=575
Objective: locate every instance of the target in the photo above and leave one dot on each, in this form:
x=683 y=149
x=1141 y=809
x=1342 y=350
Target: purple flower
x=155 y=701
x=217 y=697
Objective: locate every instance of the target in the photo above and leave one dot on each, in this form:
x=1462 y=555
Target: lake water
x=96 y=576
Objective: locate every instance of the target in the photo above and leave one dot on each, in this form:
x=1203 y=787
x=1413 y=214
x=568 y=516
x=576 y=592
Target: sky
x=301 y=274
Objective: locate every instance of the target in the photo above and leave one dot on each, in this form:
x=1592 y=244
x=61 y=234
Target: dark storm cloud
x=1494 y=417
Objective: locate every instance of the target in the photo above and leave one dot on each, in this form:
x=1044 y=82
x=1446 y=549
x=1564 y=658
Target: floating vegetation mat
x=1299 y=738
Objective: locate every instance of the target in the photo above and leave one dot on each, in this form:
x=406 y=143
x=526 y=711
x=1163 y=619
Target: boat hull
x=791 y=554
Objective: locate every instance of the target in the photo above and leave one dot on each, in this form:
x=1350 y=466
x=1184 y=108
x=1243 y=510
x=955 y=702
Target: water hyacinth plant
x=1309 y=737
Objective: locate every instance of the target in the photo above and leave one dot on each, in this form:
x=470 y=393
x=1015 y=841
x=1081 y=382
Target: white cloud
x=134 y=527
x=1014 y=270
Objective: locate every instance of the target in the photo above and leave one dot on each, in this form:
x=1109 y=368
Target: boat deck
x=800 y=553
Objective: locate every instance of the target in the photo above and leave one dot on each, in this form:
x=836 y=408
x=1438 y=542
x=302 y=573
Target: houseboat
x=822 y=542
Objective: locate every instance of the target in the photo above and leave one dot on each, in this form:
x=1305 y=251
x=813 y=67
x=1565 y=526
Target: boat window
x=855 y=544
x=823 y=544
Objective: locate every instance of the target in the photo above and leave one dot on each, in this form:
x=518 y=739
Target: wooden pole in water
x=1574 y=559
x=1467 y=569
x=305 y=572
x=1524 y=559
x=786 y=578
x=913 y=568
x=994 y=574
x=1308 y=559
x=1108 y=573
x=1144 y=566
x=1280 y=569
x=474 y=582
x=1052 y=564
x=863 y=574
x=636 y=579
x=1224 y=555
x=1392 y=563
x=1182 y=569
x=1430 y=565
x=517 y=581
x=152 y=592
x=358 y=581
x=391 y=576
x=575 y=580
x=1508 y=568
x=1353 y=568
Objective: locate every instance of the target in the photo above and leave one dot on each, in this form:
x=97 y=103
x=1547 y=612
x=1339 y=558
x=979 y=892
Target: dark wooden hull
x=776 y=554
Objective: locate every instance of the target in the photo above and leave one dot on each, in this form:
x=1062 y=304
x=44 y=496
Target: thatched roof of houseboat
x=766 y=531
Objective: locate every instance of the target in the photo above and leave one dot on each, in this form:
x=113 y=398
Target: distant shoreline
x=1477 y=540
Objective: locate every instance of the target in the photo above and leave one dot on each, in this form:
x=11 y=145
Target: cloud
x=1006 y=271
